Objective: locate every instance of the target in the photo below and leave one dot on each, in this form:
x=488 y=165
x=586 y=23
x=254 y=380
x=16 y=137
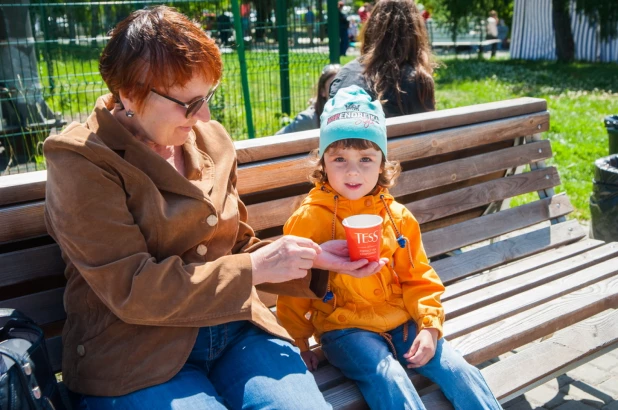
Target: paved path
x=593 y=385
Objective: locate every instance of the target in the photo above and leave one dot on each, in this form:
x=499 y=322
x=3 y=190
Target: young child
x=371 y=328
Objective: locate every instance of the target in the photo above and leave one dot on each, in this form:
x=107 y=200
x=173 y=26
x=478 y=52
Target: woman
x=162 y=310
x=310 y=118
x=395 y=65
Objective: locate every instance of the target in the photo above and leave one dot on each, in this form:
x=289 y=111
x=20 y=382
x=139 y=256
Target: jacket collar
x=199 y=167
x=324 y=195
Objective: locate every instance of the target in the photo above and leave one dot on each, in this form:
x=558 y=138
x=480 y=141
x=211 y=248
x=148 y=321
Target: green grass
x=578 y=95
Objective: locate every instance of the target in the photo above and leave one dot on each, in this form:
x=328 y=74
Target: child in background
x=371 y=328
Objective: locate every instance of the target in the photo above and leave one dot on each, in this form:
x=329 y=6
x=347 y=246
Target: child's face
x=353 y=173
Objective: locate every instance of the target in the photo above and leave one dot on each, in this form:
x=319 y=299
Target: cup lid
x=362 y=221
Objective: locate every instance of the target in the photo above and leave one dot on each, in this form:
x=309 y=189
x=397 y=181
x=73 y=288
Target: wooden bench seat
x=517 y=274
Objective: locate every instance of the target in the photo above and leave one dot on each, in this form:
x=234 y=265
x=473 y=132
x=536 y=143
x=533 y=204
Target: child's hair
x=390 y=169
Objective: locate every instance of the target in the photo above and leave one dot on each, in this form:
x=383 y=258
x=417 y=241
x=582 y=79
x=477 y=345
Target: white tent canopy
x=533 y=34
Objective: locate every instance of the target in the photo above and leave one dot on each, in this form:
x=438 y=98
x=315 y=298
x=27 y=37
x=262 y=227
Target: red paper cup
x=364 y=235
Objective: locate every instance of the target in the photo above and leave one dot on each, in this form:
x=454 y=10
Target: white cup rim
x=362 y=221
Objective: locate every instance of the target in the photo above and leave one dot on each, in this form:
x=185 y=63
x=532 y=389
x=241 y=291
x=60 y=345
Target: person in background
x=503 y=31
x=492 y=30
x=396 y=64
x=344 y=25
x=364 y=12
x=310 y=24
x=310 y=118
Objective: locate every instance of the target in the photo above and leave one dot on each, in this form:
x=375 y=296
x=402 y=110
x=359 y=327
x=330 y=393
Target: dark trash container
x=604 y=200
x=611 y=123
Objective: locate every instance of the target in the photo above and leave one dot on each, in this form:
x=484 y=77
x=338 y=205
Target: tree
x=601 y=12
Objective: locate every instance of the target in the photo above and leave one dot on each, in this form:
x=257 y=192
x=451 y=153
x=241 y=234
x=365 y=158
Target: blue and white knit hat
x=352 y=114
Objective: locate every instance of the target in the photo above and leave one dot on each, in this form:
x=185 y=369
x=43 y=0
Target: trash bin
x=604 y=200
x=611 y=123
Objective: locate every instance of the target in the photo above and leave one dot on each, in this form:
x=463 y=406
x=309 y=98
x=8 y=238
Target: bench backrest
x=458 y=165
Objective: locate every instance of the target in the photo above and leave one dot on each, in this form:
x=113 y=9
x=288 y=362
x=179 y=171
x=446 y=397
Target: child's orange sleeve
x=420 y=283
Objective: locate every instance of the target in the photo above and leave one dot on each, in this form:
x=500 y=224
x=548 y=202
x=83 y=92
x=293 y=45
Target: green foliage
x=603 y=12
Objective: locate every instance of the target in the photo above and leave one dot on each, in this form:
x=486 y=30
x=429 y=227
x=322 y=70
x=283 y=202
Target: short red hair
x=157 y=48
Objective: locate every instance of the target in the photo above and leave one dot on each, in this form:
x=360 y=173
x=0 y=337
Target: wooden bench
x=505 y=290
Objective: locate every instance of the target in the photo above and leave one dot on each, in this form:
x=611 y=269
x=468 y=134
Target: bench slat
x=43 y=307
x=518 y=247
x=530 y=298
x=26 y=222
x=464 y=199
x=270 y=174
x=22 y=187
x=532 y=324
x=274 y=213
x=30 y=264
x=466 y=168
x=517 y=268
x=446 y=239
x=550 y=358
x=530 y=282
x=260 y=149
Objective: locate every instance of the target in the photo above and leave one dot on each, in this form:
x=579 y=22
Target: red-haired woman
x=395 y=65
x=162 y=309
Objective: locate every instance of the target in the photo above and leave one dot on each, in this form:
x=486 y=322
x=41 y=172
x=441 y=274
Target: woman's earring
x=130 y=113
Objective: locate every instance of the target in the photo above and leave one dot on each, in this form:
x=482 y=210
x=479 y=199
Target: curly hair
x=390 y=169
x=395 y=37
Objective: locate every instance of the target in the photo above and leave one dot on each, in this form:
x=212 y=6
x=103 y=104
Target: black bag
x=27 y=381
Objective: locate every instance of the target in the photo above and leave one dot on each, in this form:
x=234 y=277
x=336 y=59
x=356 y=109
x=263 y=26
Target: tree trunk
x=565 y=46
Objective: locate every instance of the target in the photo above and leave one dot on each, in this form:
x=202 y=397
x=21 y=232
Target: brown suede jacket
x=151 y=255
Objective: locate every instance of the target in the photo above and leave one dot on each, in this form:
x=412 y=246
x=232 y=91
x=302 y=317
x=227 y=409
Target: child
x=371 y=328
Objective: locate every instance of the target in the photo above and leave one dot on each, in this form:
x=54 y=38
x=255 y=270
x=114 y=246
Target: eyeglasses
x=193 y=106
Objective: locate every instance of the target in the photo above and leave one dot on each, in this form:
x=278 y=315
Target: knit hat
x=352 y=114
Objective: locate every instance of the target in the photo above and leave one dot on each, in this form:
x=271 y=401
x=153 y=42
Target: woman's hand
x=423 y=348
x=335 y=257
x=287 y=258
x=310 y=359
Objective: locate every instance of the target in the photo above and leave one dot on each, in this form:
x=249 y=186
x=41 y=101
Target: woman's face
x=163 y=121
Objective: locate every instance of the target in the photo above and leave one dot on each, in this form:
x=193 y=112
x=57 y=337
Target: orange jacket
x=377 y=303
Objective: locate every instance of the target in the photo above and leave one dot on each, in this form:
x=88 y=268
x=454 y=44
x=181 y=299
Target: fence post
x=333 y=30
x=240 y=44
x=284 y=62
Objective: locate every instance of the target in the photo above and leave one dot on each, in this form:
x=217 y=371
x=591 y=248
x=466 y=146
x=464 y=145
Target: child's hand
x=335 y=257
x=423 y=348
x=310 y=359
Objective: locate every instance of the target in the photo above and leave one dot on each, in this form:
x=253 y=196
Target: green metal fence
x=49 y=74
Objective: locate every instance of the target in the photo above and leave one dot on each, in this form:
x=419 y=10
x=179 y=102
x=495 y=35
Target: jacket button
x=201 y=249
x=368 y=202
x=341 y=318
x=81 y=350
x=212 y=220
x=377 y=292
x=426 y=320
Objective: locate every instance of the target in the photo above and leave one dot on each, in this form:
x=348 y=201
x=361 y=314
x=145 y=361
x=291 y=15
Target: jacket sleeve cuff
x=319 y=282
x=430 y=322
x=302 y=344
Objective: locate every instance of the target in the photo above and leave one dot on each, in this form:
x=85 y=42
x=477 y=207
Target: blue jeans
x=366 y=358
x=235 y=365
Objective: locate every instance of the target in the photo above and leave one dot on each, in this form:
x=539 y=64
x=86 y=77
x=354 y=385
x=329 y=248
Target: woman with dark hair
x=162 y=268
x=396 y=64
x=310 y=118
